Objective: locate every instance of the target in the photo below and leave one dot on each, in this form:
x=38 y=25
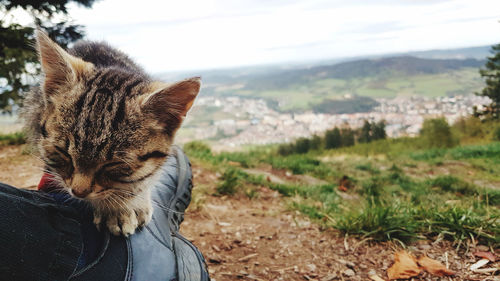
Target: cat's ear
x=169 y=103
x=60 y=68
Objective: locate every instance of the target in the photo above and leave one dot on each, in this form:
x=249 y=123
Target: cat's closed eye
x=55 y=161
x=60 y=160
x=115 y=171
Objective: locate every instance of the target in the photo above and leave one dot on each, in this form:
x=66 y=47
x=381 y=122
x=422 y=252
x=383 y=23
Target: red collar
x=47 y=183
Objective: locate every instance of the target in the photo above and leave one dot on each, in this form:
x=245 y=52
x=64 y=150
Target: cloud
x=194 y=34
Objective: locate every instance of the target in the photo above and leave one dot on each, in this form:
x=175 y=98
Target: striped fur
x=103 y=127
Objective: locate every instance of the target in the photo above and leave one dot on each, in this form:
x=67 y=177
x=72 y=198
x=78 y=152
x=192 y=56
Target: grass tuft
x=16 y=138
x=380 y=223
x=400 y=191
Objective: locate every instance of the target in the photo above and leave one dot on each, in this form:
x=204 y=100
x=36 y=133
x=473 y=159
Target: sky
x=178 y=35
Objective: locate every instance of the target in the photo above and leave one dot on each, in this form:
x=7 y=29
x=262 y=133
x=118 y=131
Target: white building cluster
x=252 y=121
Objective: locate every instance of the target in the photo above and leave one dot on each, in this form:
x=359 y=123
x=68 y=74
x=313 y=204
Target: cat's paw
x=124 y=222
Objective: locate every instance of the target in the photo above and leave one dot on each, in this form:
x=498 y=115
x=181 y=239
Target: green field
x=398 y=189
x=303 y=89
x=297 y=97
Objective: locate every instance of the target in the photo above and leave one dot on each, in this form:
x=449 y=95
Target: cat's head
x=104 y=130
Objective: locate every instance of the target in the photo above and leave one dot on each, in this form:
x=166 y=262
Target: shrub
x=453 y=184
x=381 y=223
x=437 y=133
x=333 y=139
x=496 y=134
x=229 y=182
x=456 y=185
x=471 y=126
x=378 y=131
x=197 y=149
x=367 y=167
x=459 y=224
x=365 y=134
x=298 y=164
x=13 y=138
x=372 y=189
x=347 y=137
x=316 y=143
x=302 y=145
x=285 y=149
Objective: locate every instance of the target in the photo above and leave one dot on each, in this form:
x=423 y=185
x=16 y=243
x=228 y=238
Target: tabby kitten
x=103 y=128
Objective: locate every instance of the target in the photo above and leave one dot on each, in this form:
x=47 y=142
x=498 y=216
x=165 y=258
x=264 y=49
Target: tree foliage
x=372 y=131
x=333 y=139
x=491 y=75
x=17 y=56
x=347 y=136
x=316 y=142
x=302 y=145
x=365 y=134
x=437 y=133
x=378 y=131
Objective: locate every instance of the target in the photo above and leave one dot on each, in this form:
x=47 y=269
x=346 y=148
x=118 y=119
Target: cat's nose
x=80 y=185
x=81 y=192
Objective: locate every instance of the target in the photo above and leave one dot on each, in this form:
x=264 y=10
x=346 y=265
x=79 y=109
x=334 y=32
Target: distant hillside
x=318 y=88
x=223 y=75
x=479 y=53
x=380 y=68
x=297 y=88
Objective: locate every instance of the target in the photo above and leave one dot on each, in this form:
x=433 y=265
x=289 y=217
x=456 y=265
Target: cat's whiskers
x=106 y=196
x=124 y=159
x=32 y=154
x=161 y=206
x=122 y=204
x=56 y=179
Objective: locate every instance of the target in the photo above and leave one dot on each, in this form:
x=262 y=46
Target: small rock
x=311 y=267
x=482 y=248
x=329 y=277
x=349 y=272
x=347 y=263
x=214 y=259
x=424 y=247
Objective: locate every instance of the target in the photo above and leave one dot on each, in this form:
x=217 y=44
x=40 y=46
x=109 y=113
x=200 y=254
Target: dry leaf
x=487 y=270
x=404 y=266
x=246 y=258
x=434 y=267
x=375 y=277
x=479 y=264
x=486 y=255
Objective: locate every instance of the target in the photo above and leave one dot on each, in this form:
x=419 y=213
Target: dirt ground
x=262 y=239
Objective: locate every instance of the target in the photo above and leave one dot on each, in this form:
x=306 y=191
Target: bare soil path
x=262 y=239
x=18 y=168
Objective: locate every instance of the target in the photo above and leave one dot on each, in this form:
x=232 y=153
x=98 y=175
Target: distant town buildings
x=253 y=122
